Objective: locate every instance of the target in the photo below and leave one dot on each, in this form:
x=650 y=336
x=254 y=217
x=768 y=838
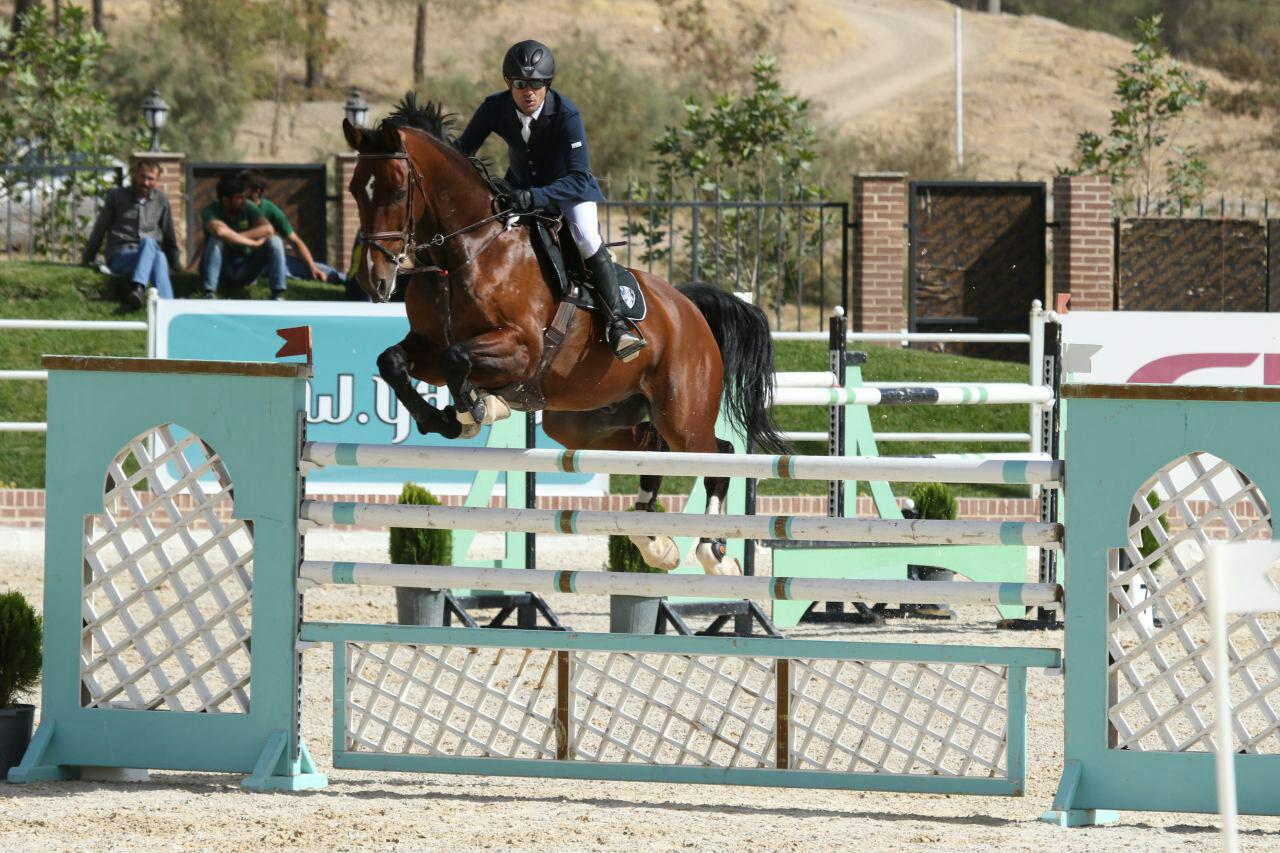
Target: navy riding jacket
x=553 y=164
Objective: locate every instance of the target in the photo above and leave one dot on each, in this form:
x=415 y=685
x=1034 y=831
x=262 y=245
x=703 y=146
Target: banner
x=1171 y=348
x=347 y=400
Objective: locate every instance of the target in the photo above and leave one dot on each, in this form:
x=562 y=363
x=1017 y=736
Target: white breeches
x=584 y=225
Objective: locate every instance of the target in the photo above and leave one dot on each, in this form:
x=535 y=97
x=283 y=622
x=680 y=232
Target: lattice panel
x=902 y=718
x=167 y=584
x=450 y=700
x=1161 y=667
x=699 y=710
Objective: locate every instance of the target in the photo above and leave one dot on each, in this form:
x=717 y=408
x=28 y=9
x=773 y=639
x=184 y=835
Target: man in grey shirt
x=138 y=225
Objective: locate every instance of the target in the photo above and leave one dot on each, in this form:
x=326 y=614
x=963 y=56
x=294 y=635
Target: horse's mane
x=431 y=119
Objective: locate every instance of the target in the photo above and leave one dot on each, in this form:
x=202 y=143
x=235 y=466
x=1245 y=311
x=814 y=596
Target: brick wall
x=348 y=216
x=1083 y=242
x=879 y=252
x=172 y=167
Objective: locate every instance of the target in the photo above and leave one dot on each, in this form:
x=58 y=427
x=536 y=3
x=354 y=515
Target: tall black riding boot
x=626 y=341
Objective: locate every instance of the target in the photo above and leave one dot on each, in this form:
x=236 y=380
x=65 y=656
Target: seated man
x=300 y=265
x=138 y=225
x=240 y=245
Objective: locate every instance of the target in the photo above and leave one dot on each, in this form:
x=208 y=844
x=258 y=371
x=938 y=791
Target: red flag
x=297 y=341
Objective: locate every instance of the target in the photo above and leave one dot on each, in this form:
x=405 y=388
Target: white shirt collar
x=525 y=118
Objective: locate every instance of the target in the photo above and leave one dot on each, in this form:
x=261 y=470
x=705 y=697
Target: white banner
x=1171 y=348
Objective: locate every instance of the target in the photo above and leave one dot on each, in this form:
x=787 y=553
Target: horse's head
x=387 y=188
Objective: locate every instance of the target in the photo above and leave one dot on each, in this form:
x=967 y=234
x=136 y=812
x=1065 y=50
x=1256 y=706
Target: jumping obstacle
x=847 y=397
x=158 y=655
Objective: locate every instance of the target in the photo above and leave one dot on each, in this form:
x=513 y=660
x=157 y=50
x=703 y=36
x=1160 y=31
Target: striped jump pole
x=795 y=527
x=1021 y=471
x=700 y=586
x=901 y=394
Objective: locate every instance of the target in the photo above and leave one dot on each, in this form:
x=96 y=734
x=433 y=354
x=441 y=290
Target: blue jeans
x=297 y=268
x=218 y=265
x=146 y=266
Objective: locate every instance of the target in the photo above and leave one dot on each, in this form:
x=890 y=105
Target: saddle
x=566 y=276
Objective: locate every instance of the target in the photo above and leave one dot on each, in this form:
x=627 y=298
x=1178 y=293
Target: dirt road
x=901 y=45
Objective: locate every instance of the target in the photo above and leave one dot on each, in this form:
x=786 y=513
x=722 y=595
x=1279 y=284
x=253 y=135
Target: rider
x=547 y=149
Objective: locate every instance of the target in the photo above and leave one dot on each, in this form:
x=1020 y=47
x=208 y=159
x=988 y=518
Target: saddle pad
x=634 y=306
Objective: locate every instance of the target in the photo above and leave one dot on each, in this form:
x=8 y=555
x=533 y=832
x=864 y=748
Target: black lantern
x=357 y=108
x=154 y=112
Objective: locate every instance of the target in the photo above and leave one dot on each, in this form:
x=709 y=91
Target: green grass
x=64 y=292
x=54 y=291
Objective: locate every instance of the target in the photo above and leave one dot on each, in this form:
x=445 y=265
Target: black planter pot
x=16 y=725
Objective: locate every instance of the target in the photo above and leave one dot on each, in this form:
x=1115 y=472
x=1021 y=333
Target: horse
x=482 y=318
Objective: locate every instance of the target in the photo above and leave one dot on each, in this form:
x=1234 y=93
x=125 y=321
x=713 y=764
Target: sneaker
x=209 y=294
x=277 y=296
x=138 y=296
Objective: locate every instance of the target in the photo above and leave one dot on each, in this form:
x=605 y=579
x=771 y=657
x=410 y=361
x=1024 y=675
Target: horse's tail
x=746 y=348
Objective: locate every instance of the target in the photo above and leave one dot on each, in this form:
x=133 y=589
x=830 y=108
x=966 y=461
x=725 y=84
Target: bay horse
x=480 y=310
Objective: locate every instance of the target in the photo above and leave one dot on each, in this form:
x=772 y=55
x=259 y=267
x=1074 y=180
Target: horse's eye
x=400 y=194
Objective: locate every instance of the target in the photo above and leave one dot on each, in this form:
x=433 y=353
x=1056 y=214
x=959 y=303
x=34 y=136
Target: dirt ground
x=365 y=810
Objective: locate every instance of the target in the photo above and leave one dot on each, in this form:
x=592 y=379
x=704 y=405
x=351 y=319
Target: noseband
x=406 y=261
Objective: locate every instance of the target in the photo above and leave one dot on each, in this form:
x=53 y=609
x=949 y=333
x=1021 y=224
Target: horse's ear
x=355 y=136
x=391 y=137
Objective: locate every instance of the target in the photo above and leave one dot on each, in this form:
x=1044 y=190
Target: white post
x=1224 y=757
x=959 y=92
x=153 y=297
x=1035 y=369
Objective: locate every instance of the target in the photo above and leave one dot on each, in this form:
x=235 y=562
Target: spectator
x=299 y=265
x=138 y=225
x=240 y=246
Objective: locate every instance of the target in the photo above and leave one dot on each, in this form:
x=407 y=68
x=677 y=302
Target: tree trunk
x=420 y=44
x=20 y=8
x=97 y=16
x=317 y=35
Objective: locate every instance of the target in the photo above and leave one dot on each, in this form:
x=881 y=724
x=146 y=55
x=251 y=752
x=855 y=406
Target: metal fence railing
x=47 y=211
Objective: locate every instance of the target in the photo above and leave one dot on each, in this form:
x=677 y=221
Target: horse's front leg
x=489 y=360
x=396 y=365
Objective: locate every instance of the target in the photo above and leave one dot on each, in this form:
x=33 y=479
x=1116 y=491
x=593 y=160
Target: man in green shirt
x=240 y=245
x=300 y=264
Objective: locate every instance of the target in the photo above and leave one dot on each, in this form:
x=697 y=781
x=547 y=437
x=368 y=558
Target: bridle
x=406 y=261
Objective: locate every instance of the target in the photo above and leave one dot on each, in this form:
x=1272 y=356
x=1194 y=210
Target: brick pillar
x=879 y=252
x=348 y=216
x=1083 y=242
x=172 y=176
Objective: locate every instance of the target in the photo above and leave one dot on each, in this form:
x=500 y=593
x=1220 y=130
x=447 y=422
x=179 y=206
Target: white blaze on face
x=368 y=188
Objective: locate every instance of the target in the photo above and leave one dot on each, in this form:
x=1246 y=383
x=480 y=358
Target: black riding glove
x=522 y=201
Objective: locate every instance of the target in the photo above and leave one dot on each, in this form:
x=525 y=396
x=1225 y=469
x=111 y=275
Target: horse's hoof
x=659 y=552
x=470 y=430
x=714 y=561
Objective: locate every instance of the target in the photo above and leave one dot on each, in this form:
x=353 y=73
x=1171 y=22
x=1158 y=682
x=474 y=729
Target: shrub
x=934 y=500
x=624 y=556
x=420 y=547
x=21 y=638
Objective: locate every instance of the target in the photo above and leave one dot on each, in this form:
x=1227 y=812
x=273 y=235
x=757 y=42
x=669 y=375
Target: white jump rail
x=805 y=528
x=815 y=435
x=315 y=572
x=147 y=326
x=937 y=395
x=1022 y=469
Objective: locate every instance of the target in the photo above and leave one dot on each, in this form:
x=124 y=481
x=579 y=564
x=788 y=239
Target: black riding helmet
x=531 y=60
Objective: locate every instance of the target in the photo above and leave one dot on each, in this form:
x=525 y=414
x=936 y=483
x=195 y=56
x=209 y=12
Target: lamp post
x=154 y=112
x=357 y=108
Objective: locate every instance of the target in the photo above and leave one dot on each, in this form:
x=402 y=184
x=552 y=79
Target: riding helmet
x=529 y=59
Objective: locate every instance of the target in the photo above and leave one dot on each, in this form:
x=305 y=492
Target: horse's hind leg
x=713 y=553
x=621 y=427
x=395 y=365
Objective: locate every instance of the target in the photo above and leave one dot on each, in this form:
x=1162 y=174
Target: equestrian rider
x=547 y=149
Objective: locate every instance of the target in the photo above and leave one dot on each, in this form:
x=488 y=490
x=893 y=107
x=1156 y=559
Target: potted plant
x=423 y=548
x=21 y=637
x=632 y=614
x=935 y=501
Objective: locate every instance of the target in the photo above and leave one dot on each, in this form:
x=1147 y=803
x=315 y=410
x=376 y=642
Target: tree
x=317 y=42
x=420 y=42
x=1141 y=154
x=55 y=111
x=715 y=51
